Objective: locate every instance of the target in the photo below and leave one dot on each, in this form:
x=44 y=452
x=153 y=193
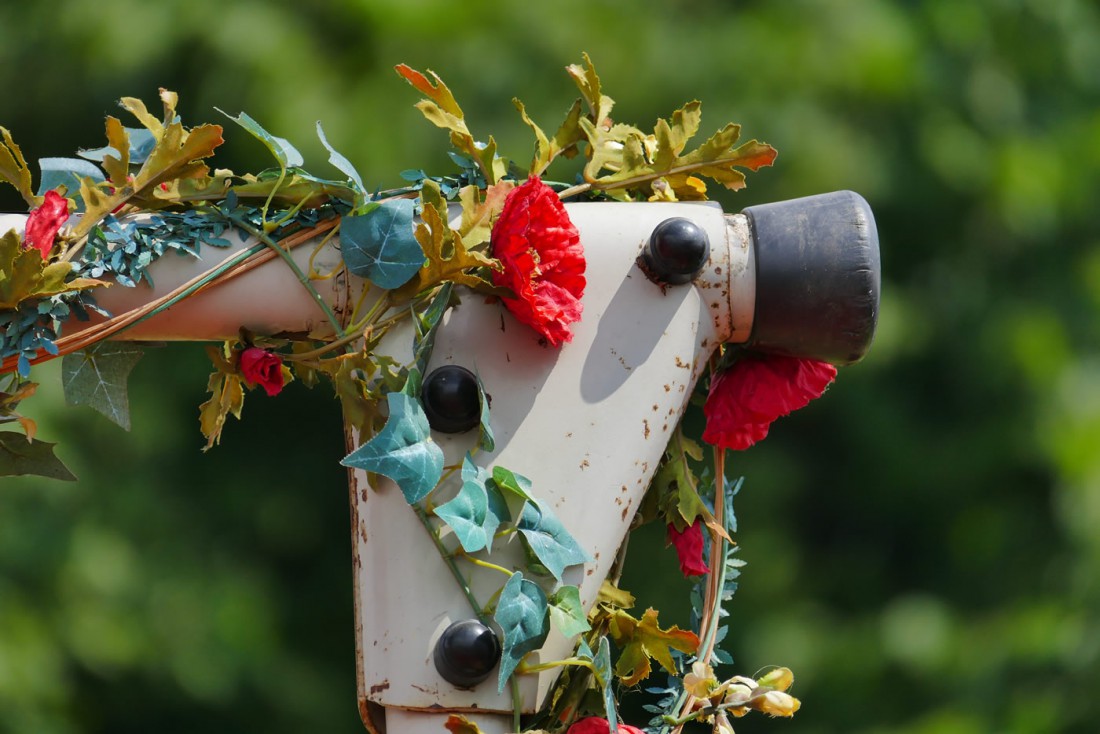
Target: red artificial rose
x=44 y=223
x=543 y=260
x=596 y=725
x=745 y=399
x=689 y=548
x=263 y=368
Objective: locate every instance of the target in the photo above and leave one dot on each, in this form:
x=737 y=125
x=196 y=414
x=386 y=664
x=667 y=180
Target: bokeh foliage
x=923 y=543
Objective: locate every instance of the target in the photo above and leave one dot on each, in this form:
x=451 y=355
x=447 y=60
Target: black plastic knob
x=676 y=251
x=451 y=401
x=818 y=277
x=466 y=653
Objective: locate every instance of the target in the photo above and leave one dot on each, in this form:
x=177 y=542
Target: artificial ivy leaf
x=20 y=456
x=13 y=168
x=566 y=611
x=643 y=639
x=350 y=378
x=523 y=614
x=380 y=245
x=517 y=484
x=472 y=516
x=141 y=142
x=341 y=163
x=458 y=724
x=549 y=540
x=287 y=155
x=403 y=450
x=97 y=376
x=65 y=172
x=446 y=255
x=117 y=163
x=24 y=274
x=601 y=664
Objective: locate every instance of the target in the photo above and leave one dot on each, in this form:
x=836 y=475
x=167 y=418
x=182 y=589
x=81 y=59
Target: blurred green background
x=923 y=543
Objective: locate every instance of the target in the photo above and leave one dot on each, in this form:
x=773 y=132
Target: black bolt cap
x=466 y=653
x=676 y=252
x=450 y=398
x=817 y=277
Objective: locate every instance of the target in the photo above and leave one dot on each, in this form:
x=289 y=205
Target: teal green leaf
x=287 y=155
x=566 y=611
x=19 y=457
x=476 y=511
x=403 y=450
x=380 y=244
x=549 y=540
x=601 y=663
x=97 y=376
x=66 y=172
x=517 y=484
x=523 y=615
x=340 y=162
x=142 y=143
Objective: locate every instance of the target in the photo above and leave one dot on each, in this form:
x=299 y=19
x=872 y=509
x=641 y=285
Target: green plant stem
x=289 y=260
x=517 y=702
x=579 y=662
x=449 y=560
x=484 y=564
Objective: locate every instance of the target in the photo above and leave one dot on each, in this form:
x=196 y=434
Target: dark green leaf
x=380 y=244
x=341 y=163
x=19 y=457
x=403 y=450
x=549 y=540
x=96 y=377
x=522 y=613
x=486 y=441
x=517 y=484
x=287 y=155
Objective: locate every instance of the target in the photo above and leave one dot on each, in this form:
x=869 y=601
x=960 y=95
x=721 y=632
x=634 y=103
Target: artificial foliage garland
x=514 y=242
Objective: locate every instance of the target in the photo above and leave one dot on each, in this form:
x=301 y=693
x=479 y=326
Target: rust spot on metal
x=569 y=435
x=584 y=464
x=378 y=688
x=646 y=424
x=626 y=510
x=623 y=488
x=718 y=270
x=656 y=407
x=682 y=364
x=363 y=531
x=664 y=427
x=363 y=495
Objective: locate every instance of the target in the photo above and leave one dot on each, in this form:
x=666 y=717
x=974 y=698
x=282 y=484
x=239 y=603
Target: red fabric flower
x=44 y=223
x=263 y=368
x=745 y=399
x=689 y=548
x=543 y=260
x=596 y=725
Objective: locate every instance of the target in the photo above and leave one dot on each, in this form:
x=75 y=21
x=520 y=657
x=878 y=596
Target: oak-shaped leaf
x=226 y=395
x=447 y=259
x=459 y=724
x=643 y=639
x=675 y=482
x=476 y=511
x=97 y=376
x=380 y=246
x=20 y=456
x=14 y=169
x=24 y=274
x=523 y=614
x=403 y=450
x=548 y=539
x=566 y=611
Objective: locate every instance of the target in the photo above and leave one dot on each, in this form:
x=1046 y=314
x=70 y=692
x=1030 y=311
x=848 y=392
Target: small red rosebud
x=596 y=725
x=263 y=368
x=689 y=548
x=45 y=222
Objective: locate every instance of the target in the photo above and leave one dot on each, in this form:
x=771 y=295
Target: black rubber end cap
x=818 y=277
